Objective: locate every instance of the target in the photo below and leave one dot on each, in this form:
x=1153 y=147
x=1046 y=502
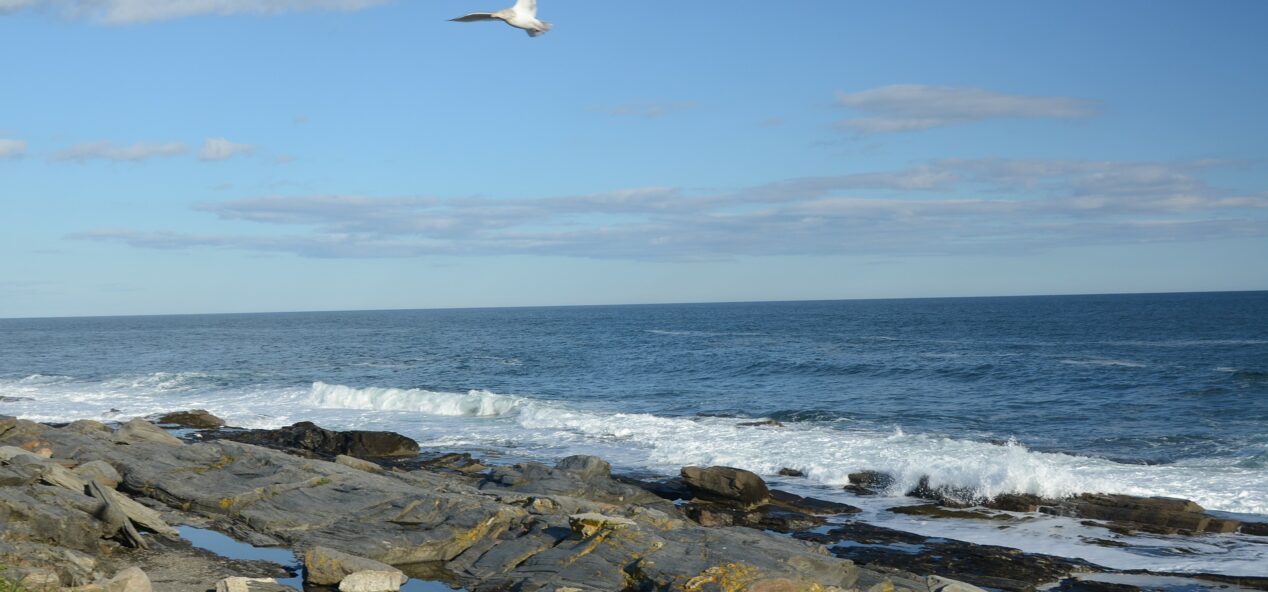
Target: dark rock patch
x=936 y=511
x=198 y=419
x=308 y=439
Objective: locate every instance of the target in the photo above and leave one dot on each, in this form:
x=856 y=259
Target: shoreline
x=527 y=526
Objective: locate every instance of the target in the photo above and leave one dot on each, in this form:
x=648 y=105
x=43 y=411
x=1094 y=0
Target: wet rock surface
x=526 y=527
x=982 y=565
x=592 y=533
x=307 y=438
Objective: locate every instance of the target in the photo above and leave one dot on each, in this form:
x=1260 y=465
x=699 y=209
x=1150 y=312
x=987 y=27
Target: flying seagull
x=521 y=16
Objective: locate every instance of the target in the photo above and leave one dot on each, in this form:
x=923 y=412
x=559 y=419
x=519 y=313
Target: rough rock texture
x=726 y=484
x=493 y=538
x=98 y=471
x=1153 y=514
x=307 y=437
x=371 y=581
x=584 y=477
x=241 y=584
x=1121 y=513
x=725 y=496
x=138 y=431
x=198 y=419
x=327 y=567
x=982 y=565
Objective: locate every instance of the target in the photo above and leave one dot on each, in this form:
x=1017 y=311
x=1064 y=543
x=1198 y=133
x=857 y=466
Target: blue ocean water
x=1149 y=394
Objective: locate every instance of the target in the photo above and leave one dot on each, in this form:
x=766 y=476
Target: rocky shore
x=93 y=508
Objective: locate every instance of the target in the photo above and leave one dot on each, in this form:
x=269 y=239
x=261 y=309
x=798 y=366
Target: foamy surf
x=471 y=404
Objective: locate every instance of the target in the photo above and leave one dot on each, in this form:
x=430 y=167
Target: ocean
x=1160 y=394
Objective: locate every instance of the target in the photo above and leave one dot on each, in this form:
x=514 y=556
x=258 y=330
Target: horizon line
x=625 y=304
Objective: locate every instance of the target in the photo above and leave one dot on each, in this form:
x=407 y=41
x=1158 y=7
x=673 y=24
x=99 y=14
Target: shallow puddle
x=230 y=548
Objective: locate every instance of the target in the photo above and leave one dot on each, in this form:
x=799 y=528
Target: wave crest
x=472 y=404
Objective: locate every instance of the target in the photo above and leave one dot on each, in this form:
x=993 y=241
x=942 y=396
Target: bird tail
x=544 y=26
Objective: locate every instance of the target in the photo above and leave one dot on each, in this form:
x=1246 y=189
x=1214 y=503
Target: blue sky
x=183 y=156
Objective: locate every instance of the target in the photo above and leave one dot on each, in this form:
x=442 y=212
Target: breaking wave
x=471 y=404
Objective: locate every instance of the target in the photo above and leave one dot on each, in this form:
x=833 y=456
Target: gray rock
x=240 y=584
x=585 y=467
x=371 y=581
x=100 y=471
x=583 y=477
x=358 y=464
x=198 y=419
x=138 y=430
x=327 y=567
x=87 y=426
x=131 y=579
x=726 y=484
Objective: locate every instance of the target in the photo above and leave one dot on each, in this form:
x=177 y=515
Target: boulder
x=138 y=430
x=787 y=472
x=726 y=484
x=324 y=566
x=306 y=436
x=87 y=426
x=99 y=471
x=1255 y=528
x=585 y=467
x=131 y=579
x=869 y=482
x=371 y=581
x=198 y=419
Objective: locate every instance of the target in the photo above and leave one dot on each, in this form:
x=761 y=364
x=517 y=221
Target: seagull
x=521 y=16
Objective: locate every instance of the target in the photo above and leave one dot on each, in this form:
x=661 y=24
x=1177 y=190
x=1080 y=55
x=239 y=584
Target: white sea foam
x=523 y=425
x=471 y=404
x=519 y=427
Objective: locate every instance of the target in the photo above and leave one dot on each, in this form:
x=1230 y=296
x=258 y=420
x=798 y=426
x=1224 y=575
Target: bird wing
x=475 y=16
x=526 y=7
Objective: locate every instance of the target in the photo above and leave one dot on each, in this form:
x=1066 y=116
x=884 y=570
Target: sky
x=197 y=156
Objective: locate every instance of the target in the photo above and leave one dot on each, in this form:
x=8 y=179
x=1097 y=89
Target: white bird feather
x=521 y=16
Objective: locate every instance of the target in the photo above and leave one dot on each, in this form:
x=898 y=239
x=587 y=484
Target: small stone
x=787 y=472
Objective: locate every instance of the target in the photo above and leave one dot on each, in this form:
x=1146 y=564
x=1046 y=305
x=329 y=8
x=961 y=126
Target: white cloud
x=111 y=151
x=222 y=149
x=12 y=148
x=954 y=206
x=140 y=11
x=646 y=110
x=913 y=107
x=15 y=5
